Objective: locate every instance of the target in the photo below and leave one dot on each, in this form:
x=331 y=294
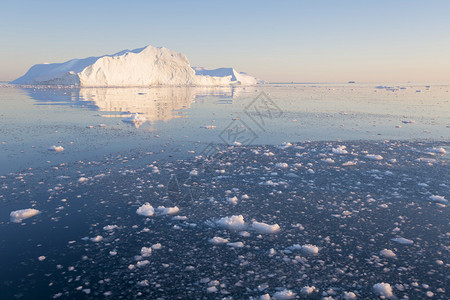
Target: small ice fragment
x=41 y=258
x=233 y=200
x=97 y=239
x=110 y=227
x=82 y=179
x=310 y=249
x=439 y=150
x=403 y=241
x=281 y=165
x=440 y=199
x=374 y=156
x=284 y=295
x=218 y=240
x=339 y=150
x=146 y=251
x=265 y=228
x=308 y=290
x=162 y=210
x=56 y=148
x=233 y=222
x=145 y=210
x=18 y=216
x=383 y=289
x=387 y=253
x=236 y=244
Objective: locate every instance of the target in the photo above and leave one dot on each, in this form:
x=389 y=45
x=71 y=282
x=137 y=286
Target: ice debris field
x=318 y=220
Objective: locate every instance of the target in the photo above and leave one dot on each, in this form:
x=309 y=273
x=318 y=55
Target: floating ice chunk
x=308 y=290
x=41 y=258
x=284 y=145
x=218 y=240
x=374 y=156
x=328 y=160
x=426 y=160
x=383 y=289
x=211 y=289
x=349 y=163
x=142 y=263
x=56 y=148
x=437 y=150
x=284 y=295
x=18 y=216
x=143 y=283
x=245 y=196
x=135 y=119
x=233 y=222
x=236 y=244
x=167 y=210
x=387 y=253
x=264 y=297
x=157 y=246
x=193 y=173
x=82 y=179
x=233 y=200
x=145 y=210
x=440 y=199
x=97 y=239
x=349 y=296
x=110 y=227
x=281 y=165
x=402 y=240
x=146 y=251
x=339 y=150
x=310 y=249
x=265 y=228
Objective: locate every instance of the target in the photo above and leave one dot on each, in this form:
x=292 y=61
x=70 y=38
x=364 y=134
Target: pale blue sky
x=304 y=41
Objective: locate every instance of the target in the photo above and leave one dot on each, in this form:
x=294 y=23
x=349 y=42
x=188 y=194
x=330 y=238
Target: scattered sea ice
x=162 y=210
x=339 y=150
x=18 y=216
x=218 y=240
x=440 y=199
x=236 y=244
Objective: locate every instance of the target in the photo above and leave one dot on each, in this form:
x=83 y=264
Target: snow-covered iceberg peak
x=140 y=67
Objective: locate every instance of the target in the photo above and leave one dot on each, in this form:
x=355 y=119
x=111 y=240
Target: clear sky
x=279 y=41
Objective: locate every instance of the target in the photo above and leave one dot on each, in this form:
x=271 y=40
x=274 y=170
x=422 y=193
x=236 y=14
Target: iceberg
x=146 y=66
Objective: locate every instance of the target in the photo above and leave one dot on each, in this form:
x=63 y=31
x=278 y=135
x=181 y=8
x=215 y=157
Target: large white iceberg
x=140 y=67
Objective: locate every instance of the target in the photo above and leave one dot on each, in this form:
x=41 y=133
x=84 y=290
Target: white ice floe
x=349 y=163
x=218 y=240
x=339 y=150
x=110 y=227
x=281 y=165
x=265 y=228
x=284 y=295
x=18 y=216
x=308 y=290
x=328 y=160
x=157 y=246
x=374 y=156
x=41 y=258
x=426 y=160
x=96 y=239
x=162 y=210
x=233 y=200
x=387 y=253
x=146 y=251
x=402 y=240
x=439 y=150
x=135 y=119
x=383 y=289
x=236 y=244
x=440 y=199
x=82 y=179
x=233 y=222
x=142 y=263
x=56 y=148
x=145 y=210
x=310 y=249
x=349 y=296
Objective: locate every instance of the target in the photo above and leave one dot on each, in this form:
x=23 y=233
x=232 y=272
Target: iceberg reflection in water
x=134 y=105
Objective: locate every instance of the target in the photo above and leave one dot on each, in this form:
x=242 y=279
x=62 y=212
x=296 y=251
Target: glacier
x=146 y=66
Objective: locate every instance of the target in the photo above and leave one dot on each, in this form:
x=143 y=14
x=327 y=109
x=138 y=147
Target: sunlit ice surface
x=274 y=190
